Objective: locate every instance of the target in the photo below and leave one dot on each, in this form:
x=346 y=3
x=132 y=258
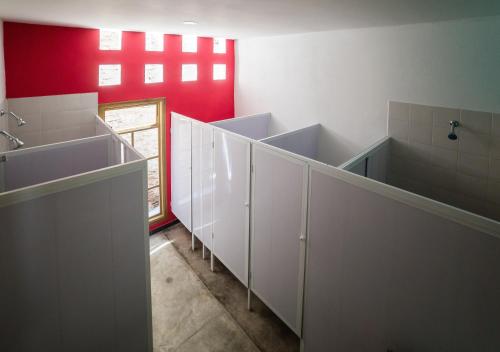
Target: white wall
x=343 y=79
x=3 y=102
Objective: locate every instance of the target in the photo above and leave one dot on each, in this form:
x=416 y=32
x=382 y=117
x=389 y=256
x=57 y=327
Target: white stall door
x=181 y=169
x=231 y=202
x=207 y=186
x=279 y=211
x=196 y=193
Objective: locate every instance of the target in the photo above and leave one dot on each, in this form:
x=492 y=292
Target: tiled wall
x=4 y=144
x=55 y=118
x=464 y=173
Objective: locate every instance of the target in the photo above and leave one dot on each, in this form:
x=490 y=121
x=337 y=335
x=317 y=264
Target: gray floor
x=195 y=309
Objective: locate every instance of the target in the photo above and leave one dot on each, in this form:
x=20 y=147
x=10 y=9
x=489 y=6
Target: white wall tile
x=399 y=129
x=473 y=165
x=472 y=186
x=475 y=121
x=474 y=143
x=444 y=158
x=495 y=169
x=421 y=115
x=399 y=111
x=440 y=138
x=443 y=116
x=495 y=130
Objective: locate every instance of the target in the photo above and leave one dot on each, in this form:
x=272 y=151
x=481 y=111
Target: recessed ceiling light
x=190 y=22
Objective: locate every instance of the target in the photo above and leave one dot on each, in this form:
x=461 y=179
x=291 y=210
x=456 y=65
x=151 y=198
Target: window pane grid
x=147 y=140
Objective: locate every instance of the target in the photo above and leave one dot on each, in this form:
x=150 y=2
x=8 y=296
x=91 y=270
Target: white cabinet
x=231 y=202
x=279 y=211
x=181 y=168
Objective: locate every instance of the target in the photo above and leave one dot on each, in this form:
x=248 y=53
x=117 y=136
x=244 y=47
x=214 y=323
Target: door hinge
x=251 y=168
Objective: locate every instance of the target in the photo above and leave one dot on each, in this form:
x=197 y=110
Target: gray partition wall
x=383 y=275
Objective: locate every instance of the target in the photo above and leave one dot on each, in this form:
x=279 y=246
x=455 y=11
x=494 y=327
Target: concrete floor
x=195 y=309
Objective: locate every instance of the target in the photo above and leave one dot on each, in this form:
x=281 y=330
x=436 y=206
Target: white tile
x=495 y=147
x=495 y=169
x=399 y=111
x=31 y=139
x=474 y=143
x=398 y=129
x=421 y=134
x=70 y=102
x=420 y=152
x=22 y=106
x=443 y=116
x=494 y=191
x=33 y=123
x=442 y=177
x=444 y=158
x=399 y=147
x=473 y=165
x=49 y=104
x=421 y=115
x=495 y=130
x=440 y=138
x=472 y=186
x=475 y=121
x=89 y=101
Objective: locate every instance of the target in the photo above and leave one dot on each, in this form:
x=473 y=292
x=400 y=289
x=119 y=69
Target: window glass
x=219 y=72
x=110 y=39
x=146 y=142
x=154 y=201
x=154 y=41
x=219 y=45
x=129 y=118
x=189 y=44
x=189 y=72
x=110 y=75
x=153 y=173
x=153 y=73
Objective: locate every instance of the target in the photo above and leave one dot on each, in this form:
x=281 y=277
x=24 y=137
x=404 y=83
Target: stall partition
x=403 y=271
x=75 y=247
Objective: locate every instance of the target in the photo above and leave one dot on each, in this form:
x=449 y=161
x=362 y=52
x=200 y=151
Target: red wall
x=48 y=60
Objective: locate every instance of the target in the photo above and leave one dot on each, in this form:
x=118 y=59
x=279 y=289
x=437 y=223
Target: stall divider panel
x=207 y=186
x=181 y=169
x=278 y=232
x=231 y=202
x=196 y=190
x=398 y=278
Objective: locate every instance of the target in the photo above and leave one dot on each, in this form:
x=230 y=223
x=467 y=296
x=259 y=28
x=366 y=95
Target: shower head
x=453 y=125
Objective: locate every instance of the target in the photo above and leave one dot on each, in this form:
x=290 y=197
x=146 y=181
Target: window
x=110 y=39
x=189 y=72
x=189 y=44
x=110 y=75
x=141 y=124
x=154 y=41
x=219 y=45
x=153 y=73
x=219 y=72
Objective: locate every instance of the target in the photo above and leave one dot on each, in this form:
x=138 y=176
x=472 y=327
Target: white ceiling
x=241 y=18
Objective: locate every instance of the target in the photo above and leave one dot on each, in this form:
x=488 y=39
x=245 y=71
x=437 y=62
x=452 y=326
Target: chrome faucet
x=20 y=121
x=17 y=142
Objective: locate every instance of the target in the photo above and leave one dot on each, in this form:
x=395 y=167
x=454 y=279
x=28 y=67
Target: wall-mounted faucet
x=453 y=124
x=20 y=121
x=17 y=142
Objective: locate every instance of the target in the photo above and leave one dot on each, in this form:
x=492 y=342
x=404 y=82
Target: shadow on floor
x=265 y=329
